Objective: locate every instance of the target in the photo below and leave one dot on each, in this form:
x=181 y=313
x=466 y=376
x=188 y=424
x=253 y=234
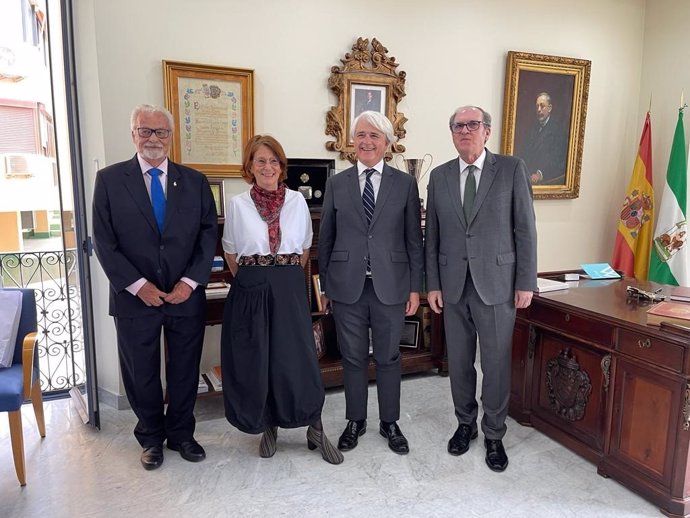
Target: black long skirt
x=271 y=374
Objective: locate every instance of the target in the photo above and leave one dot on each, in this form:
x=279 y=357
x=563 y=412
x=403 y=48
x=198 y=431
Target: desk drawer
x=565 y=322
x=651 y=349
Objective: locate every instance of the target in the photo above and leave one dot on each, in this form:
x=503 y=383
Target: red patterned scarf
x=269 y=204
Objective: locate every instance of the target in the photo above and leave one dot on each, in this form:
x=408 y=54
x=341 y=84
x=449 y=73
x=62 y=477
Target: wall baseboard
x=116 y=401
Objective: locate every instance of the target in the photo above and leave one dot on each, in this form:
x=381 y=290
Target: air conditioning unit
x=17 y=166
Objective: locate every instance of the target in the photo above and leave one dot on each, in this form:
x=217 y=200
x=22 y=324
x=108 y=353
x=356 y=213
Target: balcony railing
x=52 y=274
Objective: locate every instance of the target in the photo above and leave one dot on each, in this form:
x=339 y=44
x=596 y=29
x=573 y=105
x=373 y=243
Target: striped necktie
x=369 y=203
x=157 y=198
x=368 y=195
x=470 y=191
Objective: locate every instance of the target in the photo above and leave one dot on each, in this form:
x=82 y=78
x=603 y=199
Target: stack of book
x=672 y=312
x=215 y=378
x=544 y=285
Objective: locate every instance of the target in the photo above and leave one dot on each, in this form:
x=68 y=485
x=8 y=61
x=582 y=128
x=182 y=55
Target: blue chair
x=20 y=382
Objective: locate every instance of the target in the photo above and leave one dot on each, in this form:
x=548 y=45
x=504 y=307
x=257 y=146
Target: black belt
x=270 y=260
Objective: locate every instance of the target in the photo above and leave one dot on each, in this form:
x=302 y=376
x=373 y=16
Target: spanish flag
x=634 y=236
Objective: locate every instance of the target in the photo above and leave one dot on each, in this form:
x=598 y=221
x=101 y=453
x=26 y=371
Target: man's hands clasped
x=152 y=296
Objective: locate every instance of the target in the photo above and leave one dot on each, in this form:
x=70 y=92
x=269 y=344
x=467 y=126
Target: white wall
x=453 y=52
x=665 y=76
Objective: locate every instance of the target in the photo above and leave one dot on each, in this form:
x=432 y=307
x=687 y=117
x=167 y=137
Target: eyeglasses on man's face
x=457 y=127
x=261 y=162
x=147 y=132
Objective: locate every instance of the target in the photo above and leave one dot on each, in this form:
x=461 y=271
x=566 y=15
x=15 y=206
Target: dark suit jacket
x=393 y=242
x=498 y=243
x=129 y=246
x=546 y=151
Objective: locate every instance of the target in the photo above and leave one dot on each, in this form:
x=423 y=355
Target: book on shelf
x=681 y=293
x=672 y=312
x=203 y=386
x=215 y=378
x=544 y=285
x=217 y=290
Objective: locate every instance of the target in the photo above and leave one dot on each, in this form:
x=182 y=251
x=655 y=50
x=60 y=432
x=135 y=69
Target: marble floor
x=78 y=472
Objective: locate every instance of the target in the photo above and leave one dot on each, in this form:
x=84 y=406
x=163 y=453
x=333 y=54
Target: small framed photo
x=410 y=334
x=319 y=339
x=316 y=281
x=308 y=177
x=218 y=190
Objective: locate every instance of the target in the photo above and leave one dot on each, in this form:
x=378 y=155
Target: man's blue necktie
x=157 y=198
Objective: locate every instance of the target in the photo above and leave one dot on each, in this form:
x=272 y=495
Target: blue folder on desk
x=600 y=271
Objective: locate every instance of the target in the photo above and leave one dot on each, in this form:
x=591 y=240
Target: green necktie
x=470 y=191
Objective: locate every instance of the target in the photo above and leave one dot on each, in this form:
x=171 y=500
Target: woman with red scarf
x=271 y=375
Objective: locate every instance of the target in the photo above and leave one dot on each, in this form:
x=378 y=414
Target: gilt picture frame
x=544 y=114
x=213 y=113
x=367 y=71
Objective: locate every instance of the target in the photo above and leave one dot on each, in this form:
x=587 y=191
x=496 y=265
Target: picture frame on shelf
x=544 y=113
x=218 y=191
x=316 y=281
x=308 y=176
x=319 y=338
x=410 y=334
x=213 y=115
x=367 y=74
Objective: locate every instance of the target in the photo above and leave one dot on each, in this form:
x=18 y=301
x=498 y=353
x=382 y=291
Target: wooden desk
x=588 y=372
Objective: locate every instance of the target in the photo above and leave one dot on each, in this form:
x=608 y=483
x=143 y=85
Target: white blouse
x=245 y=233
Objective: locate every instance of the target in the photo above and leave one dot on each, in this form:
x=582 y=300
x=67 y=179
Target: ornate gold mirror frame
x=366 y=81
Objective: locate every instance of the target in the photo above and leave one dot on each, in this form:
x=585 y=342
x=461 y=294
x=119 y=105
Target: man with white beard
x=154 y=227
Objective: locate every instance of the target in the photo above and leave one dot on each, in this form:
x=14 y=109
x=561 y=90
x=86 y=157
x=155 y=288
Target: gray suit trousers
x=352 y=323
x=464 y=321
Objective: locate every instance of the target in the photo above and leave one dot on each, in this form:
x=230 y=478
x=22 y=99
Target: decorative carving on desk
x=606 y=371
x=686 y=409
x=532 y=341
x=568 y=386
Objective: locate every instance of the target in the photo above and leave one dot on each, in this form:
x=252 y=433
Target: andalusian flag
x=669 y=258
x=634 y=235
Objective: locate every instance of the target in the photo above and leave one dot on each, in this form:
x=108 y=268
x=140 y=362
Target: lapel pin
x=174 y=184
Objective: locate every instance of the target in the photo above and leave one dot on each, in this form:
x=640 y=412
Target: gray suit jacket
x=498 y=244
x=393 y=242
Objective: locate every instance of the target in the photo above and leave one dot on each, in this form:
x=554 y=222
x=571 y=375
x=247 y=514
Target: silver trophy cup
x=417 y=167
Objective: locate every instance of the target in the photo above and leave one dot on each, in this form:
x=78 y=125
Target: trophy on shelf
x=415 y=167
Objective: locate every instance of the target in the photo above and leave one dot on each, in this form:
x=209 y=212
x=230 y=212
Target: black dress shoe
x=496 y=457
x=189 y=450
x=396 y=439
x=152 y=457
x=460 y=442
x=351 y=434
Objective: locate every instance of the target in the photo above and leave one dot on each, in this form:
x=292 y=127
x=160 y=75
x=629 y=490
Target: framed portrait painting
x=544 y=112
x=213 y=112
